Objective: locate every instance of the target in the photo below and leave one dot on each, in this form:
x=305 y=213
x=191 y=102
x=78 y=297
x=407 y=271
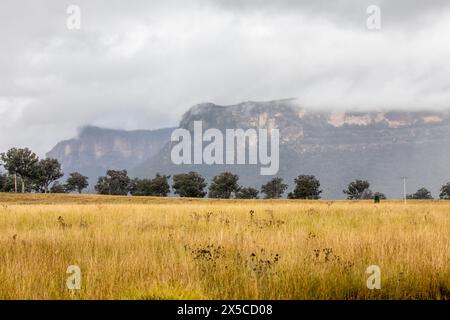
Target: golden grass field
x=154 y=248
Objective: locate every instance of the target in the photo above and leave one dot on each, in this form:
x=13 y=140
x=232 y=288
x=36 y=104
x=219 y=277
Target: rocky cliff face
x=96 y=149
x=337 y=147
x=306 y=130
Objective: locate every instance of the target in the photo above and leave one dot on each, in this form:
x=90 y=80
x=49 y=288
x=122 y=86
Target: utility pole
x=404 y=188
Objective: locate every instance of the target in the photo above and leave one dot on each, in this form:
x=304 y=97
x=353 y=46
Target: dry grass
x=149 y=248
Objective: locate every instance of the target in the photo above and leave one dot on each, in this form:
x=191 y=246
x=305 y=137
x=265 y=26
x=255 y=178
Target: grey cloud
x=342 y=11
x=141 y=64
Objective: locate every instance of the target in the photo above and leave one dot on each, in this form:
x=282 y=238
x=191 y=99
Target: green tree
x=20 y=162
x=367 y=195
x=4 y=182
x=7 y=183
x=157 y=187
x=247 y=193
x=274 y=189
x=6 y=162
x=116 y=182
x=76 y=182
x=379 y=195
x=421 y=194
x=46 y=172
x=58 y=188
x=306 y=187
x=141 y=187
x=189 y=185
x=445 y=191
x=224 y=185
x=357 y=190
x=160 y=185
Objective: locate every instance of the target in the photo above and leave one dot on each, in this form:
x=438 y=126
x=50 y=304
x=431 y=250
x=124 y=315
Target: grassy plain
x=154 y=248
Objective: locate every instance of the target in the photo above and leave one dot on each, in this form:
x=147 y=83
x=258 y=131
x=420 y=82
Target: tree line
x=27 y=173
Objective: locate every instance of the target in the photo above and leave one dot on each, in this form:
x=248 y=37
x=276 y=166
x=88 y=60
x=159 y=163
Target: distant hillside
x=96 y=149
x=337 y=147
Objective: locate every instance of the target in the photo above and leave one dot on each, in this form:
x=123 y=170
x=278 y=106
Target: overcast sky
x=141 y=64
